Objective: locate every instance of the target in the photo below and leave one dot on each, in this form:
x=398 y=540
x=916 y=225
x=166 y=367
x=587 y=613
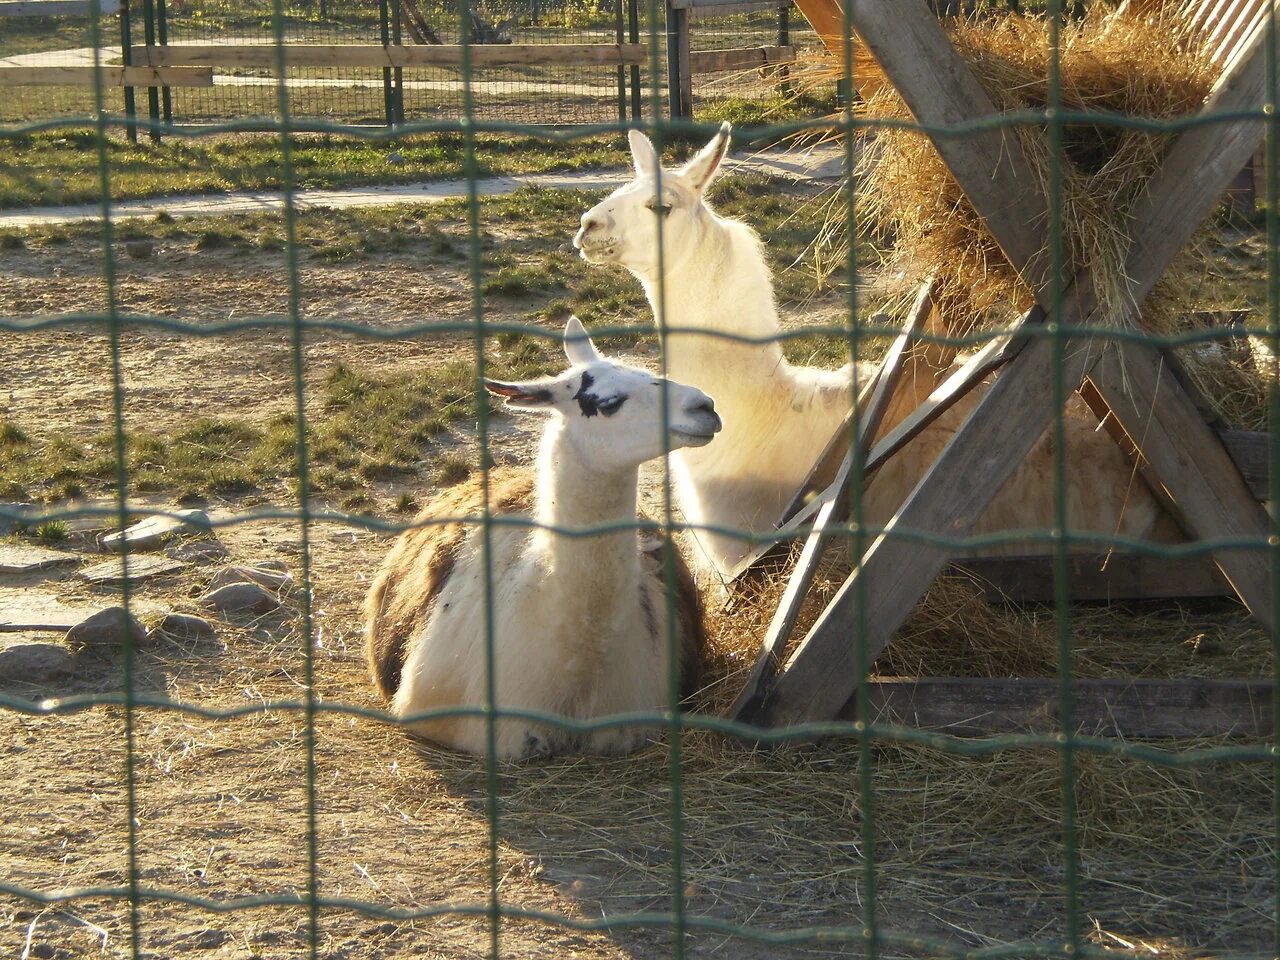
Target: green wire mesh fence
x=318 y=899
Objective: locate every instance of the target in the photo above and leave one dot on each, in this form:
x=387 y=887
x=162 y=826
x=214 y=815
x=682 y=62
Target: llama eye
x=661 y=209
x=610 y=407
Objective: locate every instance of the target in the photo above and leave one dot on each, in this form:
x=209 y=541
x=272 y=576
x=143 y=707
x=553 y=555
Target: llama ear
x=701 y=170
x=577 y=345
x=523 y=396
x=643 y=155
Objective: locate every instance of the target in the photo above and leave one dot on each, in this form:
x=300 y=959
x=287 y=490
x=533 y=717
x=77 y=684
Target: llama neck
x=723 y=285
x=570 y=495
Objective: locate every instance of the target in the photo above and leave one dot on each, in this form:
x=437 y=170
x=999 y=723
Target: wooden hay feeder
x=1146 y=406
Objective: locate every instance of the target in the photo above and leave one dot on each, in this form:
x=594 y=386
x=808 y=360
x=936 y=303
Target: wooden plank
x=111 y=76
x=262 y=56
x=1137 y=709
x=1251 y=452
x=742 y=58
x=1096 y=577
x=1212 y=497
x=833 y=507
x=55 y=8
x=948 y=393
x=821 y=674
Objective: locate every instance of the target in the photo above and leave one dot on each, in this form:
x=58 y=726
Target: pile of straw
x=909 y=199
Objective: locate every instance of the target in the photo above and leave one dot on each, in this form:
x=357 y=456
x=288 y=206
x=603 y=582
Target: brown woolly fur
x=419 y=564
x=413 y=573
x=1123 y=65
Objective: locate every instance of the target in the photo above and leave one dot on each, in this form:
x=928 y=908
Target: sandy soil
x=970 y=850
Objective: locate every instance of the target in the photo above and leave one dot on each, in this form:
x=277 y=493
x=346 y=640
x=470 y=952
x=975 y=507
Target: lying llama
x=779 y=417
x=579 y=622
x=716 y=279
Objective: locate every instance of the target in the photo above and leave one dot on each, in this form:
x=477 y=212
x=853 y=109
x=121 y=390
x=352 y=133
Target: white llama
x=779 y=417
x=579 y=622
x=713 y=276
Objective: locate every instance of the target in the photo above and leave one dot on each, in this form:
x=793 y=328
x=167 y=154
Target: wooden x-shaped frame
x=1156 y=412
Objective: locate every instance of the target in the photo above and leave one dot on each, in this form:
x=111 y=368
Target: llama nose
x=706 y=407
x=591 y=222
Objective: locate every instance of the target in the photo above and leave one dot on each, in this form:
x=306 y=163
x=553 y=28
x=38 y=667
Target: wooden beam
x=1212 y=497
x=744 y=58
x=262 y=56
x=1137 y=709
x=1096 y=577
x=871 y=412
x=821 y=674
x=1251 y=452
x=108 y=76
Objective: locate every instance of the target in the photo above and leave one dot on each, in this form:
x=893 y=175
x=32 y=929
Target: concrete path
x=820 y=163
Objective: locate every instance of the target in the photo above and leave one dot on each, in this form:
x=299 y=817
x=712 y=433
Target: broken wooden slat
x=1137 y=709
x=1094 y=577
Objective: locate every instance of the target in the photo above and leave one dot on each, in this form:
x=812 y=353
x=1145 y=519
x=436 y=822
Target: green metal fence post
x=162 y=24
x=633 y=35
x=388 y=91
x=398 y=73
x=153 y=93
x=622 y=70
x=126 y=52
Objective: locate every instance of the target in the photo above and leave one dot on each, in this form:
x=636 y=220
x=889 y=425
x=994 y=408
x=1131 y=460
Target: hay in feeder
x=908 y=198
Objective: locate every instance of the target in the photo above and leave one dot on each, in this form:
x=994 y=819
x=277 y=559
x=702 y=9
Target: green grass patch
x=60 y=167
x=367 y=428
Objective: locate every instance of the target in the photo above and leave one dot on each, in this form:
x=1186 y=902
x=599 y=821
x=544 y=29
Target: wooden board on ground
x=264 y=56
x=1139 y=709
x=109 y=76
x=141 y=568
x=1093 y=577
x=742 y=58
x=25 y=558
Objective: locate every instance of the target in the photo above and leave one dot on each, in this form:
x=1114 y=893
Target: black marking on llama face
x=587 y=402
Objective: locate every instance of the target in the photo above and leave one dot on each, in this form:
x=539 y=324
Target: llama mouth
x=599 y=251
x=692 y=439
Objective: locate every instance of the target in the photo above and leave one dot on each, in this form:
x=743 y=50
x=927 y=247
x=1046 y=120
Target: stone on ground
x=182 y=626
x=27 y=659
x=109 y=628
x=112 y=572
x=26 y=558
x=274 y=580
x=28 y=609
x=241 y=599
x=150 y=533
x=198 y=552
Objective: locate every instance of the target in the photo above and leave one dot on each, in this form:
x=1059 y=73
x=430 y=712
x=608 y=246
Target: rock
x=278 y=565
x=207 y=939
x=155 y=530
x=112 y=572
x=22 y=558
x=181 y=626
x=276 y=581
x=140 y=249
x=22 y=657
x=109 y=628
x=198 y=552
x=241 y=599
x=395 y=158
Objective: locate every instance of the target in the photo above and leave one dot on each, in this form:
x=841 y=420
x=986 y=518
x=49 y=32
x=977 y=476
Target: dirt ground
x=1174 y=862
